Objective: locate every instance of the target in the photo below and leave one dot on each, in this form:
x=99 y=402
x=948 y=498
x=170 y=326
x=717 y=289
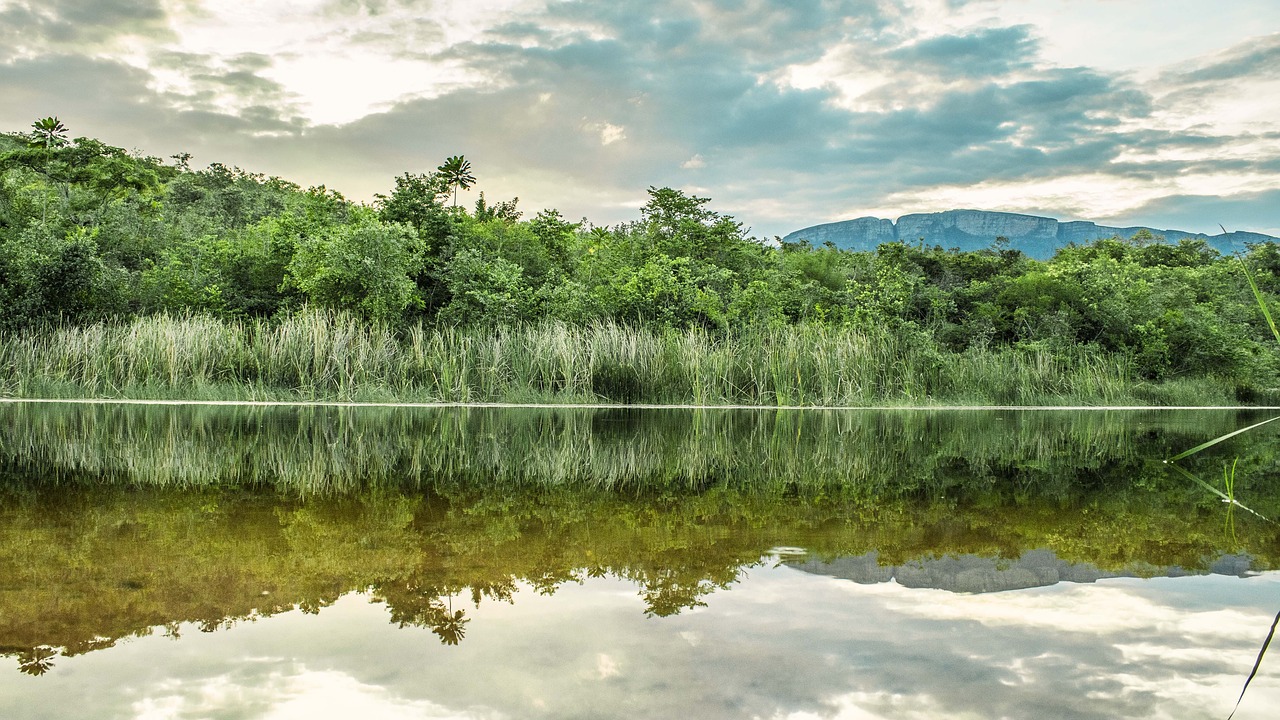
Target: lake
x=316 y=561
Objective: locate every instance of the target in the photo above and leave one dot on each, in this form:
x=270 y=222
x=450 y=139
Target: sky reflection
x=780 y=643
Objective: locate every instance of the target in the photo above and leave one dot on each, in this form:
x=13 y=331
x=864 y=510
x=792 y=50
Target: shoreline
x=618 y=406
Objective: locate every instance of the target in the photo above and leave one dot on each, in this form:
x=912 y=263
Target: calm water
x=192 y=562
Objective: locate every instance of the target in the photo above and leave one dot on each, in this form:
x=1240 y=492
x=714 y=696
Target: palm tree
x=456 y=172
x=48 y=133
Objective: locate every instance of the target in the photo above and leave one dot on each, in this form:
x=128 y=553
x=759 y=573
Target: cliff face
x=1038 y=237
x=868 y=229
x=975 y=225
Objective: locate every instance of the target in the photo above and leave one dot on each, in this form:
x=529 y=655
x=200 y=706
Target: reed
x=315 y=355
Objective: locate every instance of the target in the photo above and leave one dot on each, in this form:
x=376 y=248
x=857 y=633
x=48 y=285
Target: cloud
x=610 y=133
x=28 y=27
x=1253 y=58
x=1250 y=212
x=689 y=86
x=779 y=643
x=693 y=83
x=280 y=696
x=231 y=84
x=985 y=52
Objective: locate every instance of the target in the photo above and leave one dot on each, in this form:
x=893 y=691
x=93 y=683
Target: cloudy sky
x=786 y=113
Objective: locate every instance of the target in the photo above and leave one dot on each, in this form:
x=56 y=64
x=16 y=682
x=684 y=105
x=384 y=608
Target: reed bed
x=324 y=356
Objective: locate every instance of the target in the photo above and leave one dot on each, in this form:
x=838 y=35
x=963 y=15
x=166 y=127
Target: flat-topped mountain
x=1037 y=237
x=975 y=574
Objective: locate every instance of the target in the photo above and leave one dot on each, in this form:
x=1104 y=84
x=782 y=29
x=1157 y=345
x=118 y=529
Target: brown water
x=175 y=562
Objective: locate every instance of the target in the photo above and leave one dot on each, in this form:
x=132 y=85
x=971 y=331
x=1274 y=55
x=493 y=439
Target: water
x=175 y=562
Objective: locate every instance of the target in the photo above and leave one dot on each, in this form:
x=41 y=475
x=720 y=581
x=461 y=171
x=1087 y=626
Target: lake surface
x=312 y=562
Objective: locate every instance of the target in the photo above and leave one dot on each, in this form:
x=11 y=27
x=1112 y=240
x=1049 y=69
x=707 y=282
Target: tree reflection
x=449 y=626
x=671 y=590
x=36 y=661
x=431 y=607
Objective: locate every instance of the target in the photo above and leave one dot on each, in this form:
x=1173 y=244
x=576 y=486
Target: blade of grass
x=1186 y=473
x=1256 y=664
x=1215 y=441
x=1257 y=295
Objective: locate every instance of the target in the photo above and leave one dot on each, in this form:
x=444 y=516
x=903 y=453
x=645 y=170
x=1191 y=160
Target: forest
x=126 y=275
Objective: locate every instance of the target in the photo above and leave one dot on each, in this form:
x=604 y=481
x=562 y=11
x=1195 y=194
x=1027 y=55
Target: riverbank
x=615 y=406
x=321 y=357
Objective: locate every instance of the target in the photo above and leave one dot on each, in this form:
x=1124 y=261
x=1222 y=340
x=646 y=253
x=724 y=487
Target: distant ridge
x=1037 y=237
x=965 y=573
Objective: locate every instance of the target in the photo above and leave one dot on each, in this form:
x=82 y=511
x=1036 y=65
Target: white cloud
x=304 y=695
x=606 y=667
x=1134 y=36
x=1094 y=196
x=338 y=68
x=1089 y=609
x=608 y=132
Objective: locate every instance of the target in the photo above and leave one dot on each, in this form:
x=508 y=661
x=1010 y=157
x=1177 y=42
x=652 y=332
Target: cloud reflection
x=780 y=644
x=306 y=695
x=772 y=641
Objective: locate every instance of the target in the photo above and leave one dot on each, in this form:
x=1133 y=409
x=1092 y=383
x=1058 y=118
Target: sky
x=786 y=113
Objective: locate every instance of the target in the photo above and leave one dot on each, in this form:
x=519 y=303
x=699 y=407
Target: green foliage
x=415 y=200
x=456 y=172
x=91 y=233
x=505 y=210
x=484 y=291
x=363 y=265
x=48 y=133
x=556 y=236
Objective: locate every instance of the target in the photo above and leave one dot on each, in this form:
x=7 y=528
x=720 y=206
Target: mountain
x=1037 y=237
x=975 y=574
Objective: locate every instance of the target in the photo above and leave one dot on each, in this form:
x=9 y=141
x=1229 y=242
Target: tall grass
x=322 y=356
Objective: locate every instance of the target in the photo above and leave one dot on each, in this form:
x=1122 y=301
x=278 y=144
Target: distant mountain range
x=1037 y=237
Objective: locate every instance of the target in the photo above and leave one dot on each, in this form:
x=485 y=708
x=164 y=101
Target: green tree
x=503 y=210
x=363 y=265
x=484 y=290
x=48 y=133
x=556 y=235
x=415 y=200
x=456 y=172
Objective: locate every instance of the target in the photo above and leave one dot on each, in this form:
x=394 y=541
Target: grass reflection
x=122 y=521
x=325 y=450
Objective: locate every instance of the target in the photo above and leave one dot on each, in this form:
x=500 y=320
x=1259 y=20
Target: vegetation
x=127 y=275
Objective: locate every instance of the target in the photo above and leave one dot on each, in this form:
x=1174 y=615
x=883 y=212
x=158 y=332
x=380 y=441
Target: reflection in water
x=326 y=450
x=37 y=660
x=119 y=522
x=780 y=644
x=976 y=574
